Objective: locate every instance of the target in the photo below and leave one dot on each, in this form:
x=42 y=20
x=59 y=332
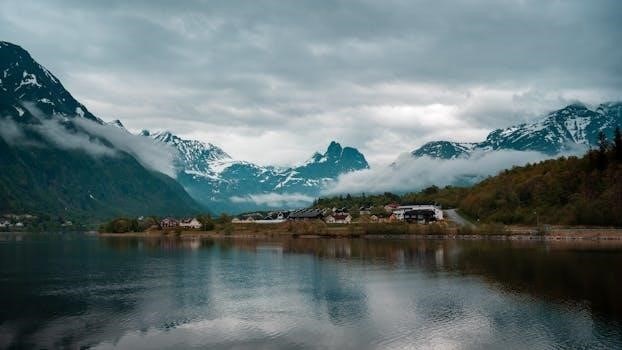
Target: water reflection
x=72 y=291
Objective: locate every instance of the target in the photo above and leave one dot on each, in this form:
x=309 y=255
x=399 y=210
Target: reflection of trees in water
x=558 y=272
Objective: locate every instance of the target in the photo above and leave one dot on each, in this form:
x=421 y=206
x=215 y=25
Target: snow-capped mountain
x=444 y=150
x=215 y=179
x=30 y=84
x=57 y=158
x=570 y=128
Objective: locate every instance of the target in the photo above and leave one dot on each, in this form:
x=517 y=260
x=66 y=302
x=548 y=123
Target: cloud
x=153 y=155
x=92 y=138
x=68 y=139
x=412 y=174
x=11 y=133
x=276 y=200
x=374 y=75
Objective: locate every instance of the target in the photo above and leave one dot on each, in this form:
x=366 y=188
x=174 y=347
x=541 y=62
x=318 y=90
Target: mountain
x=444 y=150
x=58 y=159
x=570 y=128
x=215 y=179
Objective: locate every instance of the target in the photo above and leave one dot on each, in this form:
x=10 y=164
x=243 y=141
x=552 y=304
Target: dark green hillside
x=569 y=190
x=46 y=180
x=38 y=176
x=582 y=191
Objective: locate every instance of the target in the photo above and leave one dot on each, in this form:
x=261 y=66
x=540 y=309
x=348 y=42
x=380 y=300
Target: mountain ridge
x=571 y=127
x=214 y=178
x=55 y=162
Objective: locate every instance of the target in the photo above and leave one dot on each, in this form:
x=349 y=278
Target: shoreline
x=512 y=233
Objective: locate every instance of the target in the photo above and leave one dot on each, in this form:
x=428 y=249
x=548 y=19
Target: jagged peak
x=117 y=123
x=334 y=148
x=168 y=137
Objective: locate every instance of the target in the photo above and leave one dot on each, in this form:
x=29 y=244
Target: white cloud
x=412 y=174
x=150 y=154
x=10 y=132
x=67 y=139
x=281 y=81
x=275 y=200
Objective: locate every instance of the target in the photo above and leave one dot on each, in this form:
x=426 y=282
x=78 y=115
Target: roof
x=306 y=214
x=340 y=216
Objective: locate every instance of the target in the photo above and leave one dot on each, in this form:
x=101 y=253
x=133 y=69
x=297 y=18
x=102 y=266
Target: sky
x=274 y=81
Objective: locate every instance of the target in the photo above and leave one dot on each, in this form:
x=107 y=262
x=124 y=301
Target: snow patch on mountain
x=574 y=127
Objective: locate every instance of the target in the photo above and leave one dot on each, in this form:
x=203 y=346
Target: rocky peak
x=29 y=83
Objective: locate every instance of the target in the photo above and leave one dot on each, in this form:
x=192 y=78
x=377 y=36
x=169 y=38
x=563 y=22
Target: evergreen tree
x=603 y=147
x=617 y=143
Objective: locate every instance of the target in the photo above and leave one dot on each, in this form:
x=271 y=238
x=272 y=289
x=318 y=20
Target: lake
x=76 y=291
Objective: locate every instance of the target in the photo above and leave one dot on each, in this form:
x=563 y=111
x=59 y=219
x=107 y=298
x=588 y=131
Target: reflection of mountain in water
x=296 y=293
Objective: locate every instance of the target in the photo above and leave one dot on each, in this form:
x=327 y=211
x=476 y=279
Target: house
x=365 y=210
x=191 y=223
x=5 y=224
x=19 y=224
x=338 y=218
x=389 y=208
x=168 y=223
x=383 y=218
x=252 y=217
x=277 y=215
x=419 y=215
x=413 y=213
x=306 y=214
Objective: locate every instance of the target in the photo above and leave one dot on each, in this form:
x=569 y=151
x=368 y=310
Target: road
x=453 y=215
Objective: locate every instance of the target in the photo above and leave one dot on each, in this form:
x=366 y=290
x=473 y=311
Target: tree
x=207 y=224
x=223 y=219
x=603 y=147
x=617 y=143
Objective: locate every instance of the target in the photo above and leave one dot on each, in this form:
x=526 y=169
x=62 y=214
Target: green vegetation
x=123 y=225
x=573 y=190
x=569 y=190
x=449 y=196
x=79 y=187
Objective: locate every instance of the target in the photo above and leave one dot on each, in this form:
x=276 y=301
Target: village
x=390 y=213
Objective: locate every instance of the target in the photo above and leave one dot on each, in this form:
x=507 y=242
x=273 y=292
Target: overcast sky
x=273 y=81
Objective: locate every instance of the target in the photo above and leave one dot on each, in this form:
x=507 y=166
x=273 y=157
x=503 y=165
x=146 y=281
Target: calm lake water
x=83 y=291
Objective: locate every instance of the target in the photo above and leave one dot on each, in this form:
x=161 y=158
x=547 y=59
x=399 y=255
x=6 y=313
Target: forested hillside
x=583 y=190
x=573 y=190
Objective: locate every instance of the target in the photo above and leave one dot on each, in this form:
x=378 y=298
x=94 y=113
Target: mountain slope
x=570 y=128
x=215 y=179
x=559 y=191
x=53 y=163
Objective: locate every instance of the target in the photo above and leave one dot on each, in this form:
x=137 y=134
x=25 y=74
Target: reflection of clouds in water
x=245 y=294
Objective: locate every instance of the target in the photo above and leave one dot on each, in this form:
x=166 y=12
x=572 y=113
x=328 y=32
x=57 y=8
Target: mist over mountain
x=57 y=158
x=60 y=157
x=573 y=128
x=222 y=183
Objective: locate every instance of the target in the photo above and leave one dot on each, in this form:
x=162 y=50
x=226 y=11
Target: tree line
x=584 y=190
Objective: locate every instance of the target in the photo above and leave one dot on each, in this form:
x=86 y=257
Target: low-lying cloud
x=412 y=174
x=151 y=154
x=275 y=200
x=92 y=138
x=10 y=132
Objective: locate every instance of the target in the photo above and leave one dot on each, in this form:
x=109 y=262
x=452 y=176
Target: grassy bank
x=319 y=229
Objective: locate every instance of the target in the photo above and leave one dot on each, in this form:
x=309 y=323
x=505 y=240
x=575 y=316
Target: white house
x=192 y=223
x=341 y=218
x=399 y=211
